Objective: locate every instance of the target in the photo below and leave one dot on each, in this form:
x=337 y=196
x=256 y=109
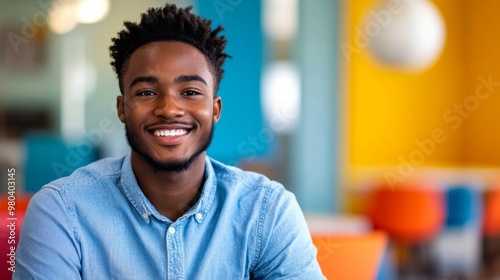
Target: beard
x=170 y=165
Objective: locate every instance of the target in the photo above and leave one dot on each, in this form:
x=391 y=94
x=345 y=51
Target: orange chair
x=491 y=215
x=350 y=257
x=491 y=230
x=410 y=213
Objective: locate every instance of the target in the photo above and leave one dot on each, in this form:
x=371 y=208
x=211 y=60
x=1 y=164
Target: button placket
x=174 y=252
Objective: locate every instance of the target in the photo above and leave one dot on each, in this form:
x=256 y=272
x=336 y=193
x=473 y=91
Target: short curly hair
x=170 y=23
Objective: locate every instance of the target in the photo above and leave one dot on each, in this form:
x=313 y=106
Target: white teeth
x=171 y=132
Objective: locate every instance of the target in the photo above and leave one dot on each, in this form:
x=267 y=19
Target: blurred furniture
x=352 y=256
x=412 y=213
x=491 y=231
x=491 y=215
x=457 y=248
x=463 y=205
x=409 y=213
x=49 y=157
x=347 y=224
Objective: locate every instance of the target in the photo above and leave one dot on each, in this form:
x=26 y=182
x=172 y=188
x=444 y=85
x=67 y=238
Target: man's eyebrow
x=144 y=79
x=189 y=78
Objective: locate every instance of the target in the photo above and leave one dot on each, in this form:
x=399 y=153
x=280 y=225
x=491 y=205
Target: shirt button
x=171 y=230
x=199 y=216
x=145 y=216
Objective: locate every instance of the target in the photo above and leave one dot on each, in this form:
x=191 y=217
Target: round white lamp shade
x=65 y=16
x=410 y=33
x=280 y=96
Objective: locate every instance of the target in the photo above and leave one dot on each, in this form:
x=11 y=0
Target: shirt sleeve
x=286 y=248
x=48 y=248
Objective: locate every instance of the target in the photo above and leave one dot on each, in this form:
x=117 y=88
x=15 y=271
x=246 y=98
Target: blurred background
x=377 y=114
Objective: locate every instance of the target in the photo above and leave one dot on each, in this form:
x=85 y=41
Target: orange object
x=350 y=257
x=409 y=213
x=491 y=218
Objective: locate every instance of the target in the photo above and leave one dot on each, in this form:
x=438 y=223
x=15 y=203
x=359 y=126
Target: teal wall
x=240 y=132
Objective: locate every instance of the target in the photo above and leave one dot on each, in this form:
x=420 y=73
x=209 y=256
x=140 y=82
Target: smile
x=169 y=132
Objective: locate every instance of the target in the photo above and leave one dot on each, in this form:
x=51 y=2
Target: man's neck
x=171 y=193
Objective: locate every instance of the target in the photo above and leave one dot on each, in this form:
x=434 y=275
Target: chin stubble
x=169 y=165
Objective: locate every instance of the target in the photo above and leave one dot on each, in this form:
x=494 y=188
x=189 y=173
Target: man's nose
x=168 y=106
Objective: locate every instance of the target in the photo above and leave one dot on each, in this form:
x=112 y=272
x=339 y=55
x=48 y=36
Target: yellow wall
x=391 y=109
x=482 y=136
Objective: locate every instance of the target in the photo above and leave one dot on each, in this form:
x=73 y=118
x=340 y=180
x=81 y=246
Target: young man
x=166 y=210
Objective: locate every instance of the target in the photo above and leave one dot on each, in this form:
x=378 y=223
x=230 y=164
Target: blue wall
x=240 y=132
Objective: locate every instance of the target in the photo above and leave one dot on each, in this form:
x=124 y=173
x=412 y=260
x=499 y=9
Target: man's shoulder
x=91 y=174
x=235 y=178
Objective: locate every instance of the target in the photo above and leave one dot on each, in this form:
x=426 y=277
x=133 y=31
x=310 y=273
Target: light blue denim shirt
x=98 y=224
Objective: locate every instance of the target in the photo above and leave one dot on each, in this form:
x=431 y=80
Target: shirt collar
x=144 y=207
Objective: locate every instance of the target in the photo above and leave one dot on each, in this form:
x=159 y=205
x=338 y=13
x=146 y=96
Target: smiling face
x=168 y=105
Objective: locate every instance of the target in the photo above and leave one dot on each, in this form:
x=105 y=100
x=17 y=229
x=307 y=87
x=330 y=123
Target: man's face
x=168 y=104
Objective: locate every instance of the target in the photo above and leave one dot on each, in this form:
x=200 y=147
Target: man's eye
x=146 y=93
x=190 y=93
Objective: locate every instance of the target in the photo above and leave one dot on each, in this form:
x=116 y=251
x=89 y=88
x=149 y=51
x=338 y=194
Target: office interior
x=379 y=115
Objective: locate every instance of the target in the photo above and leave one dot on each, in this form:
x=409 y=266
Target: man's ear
x=120 y=108
x=217 y=109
